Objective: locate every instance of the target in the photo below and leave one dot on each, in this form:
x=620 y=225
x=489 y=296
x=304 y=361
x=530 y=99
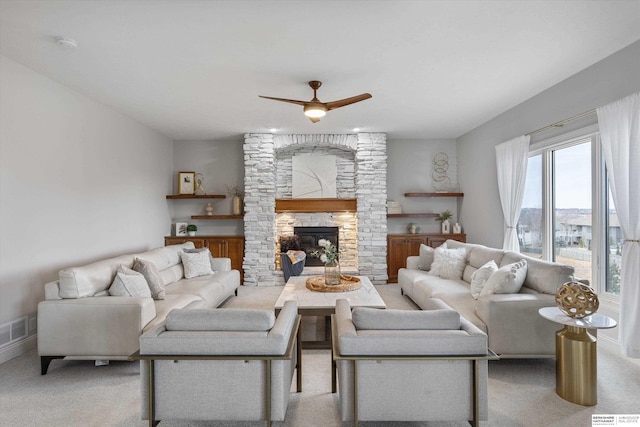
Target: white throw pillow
x=129 y=283
x=448 y=263
x=480 y=276
x=196 y=264
x=507 y=280
x=426 y=257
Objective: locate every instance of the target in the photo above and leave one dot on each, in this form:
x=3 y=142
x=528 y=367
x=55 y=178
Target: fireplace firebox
x=309 y=237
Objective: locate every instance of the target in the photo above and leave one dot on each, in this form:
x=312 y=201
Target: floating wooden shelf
x=217 y=217
x=315 y=205
x=413 y=215
x=433 y=194
x=196 y=196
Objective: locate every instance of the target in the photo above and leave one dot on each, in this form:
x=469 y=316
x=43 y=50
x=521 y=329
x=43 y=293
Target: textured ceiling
x=194 y=69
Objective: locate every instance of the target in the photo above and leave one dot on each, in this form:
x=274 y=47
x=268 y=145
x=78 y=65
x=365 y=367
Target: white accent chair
x=220 y=364
x=409 y=365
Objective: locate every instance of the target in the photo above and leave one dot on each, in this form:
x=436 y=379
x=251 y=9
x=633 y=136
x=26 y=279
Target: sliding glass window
x=567 y=214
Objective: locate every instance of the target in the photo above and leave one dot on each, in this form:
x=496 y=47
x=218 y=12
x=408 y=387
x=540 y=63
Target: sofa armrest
x=52 y=290
x=221 y=264
x=514 y=325
x=413 y=262
x=92 y=326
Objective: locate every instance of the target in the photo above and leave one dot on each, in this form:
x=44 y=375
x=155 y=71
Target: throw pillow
x=426 y=257
x=196 y=264
x=448 y=263
x=374 y=318
x=480 y=277
x=152 y=276
x=129 y=283
x=507 y=280
x=193 y=251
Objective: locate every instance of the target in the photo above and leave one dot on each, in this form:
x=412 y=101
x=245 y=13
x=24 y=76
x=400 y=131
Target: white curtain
x=619 y=124
x=511 y=163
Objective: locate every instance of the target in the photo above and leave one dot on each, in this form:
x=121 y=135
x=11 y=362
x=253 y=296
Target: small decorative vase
x=209 y=209
x=446 y=227
x=332 y=273
x=191 y=233
x=576 y=300
x=237 y=205
x=457 y=229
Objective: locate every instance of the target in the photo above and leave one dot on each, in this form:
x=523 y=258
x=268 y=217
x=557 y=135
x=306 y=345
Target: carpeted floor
x=76 y=393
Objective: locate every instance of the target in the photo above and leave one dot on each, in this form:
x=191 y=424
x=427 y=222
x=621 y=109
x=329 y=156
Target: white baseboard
x=613 y=346
x=17 y=348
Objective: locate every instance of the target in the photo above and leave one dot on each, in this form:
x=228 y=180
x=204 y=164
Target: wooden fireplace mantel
x=315 y=205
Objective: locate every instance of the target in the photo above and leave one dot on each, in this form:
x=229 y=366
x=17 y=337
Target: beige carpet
x=76 y=393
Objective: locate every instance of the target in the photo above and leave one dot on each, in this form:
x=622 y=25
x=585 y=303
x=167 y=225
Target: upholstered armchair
x=220 y=364
x=406 y=365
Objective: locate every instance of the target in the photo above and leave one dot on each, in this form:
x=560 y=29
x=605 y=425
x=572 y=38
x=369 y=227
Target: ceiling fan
x=315 y=109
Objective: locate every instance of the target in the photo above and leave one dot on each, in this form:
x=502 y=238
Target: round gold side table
x=576 y=355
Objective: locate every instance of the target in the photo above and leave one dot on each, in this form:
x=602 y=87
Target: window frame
x=545 y=149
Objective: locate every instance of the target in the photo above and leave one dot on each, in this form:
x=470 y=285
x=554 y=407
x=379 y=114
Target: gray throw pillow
x=152 y=276
x=220 y=319
x=193 y=251
x=129 y=283
x=196 y=264
x=426 y=257
x=374 y=318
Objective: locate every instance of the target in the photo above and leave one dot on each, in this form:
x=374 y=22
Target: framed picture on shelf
x=186 y=182
x=181 y=228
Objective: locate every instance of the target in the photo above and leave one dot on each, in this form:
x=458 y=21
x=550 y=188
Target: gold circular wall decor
x=576 y=300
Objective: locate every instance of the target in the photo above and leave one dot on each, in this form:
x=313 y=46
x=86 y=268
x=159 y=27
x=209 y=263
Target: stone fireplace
x=361 y=163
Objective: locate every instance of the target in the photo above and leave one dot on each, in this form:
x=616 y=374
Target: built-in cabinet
x=220 y=247
x=400 y=246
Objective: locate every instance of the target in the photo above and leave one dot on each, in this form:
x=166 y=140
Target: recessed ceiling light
x=356 y=129
x=273 y=129
x=67 y=43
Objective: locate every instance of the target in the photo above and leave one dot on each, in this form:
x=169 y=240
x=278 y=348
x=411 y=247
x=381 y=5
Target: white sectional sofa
x=511 y=320
x=79 y=319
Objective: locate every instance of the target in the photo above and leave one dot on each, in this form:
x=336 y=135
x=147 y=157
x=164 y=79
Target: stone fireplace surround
x=361 y=161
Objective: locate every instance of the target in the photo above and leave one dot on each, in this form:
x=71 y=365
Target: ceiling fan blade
x=342 y=102
x=292 y=101
x=314 y=119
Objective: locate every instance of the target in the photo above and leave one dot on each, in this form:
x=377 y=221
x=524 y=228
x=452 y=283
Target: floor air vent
x=14 y=331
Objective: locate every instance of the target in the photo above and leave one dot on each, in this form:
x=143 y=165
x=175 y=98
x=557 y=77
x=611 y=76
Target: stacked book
x=393 y=207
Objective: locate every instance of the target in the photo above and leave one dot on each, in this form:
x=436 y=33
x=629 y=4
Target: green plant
x=235 y=191
x=445 y=215
x=192 y=227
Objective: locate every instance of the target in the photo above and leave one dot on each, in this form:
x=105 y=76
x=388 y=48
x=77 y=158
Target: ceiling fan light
x=315 y=111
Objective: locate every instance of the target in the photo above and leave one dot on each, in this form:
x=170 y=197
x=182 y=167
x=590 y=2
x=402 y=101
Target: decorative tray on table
x=347 y=283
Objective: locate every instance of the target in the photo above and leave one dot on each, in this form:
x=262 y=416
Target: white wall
x=78 y=182
x=222 y=164
x=608 y=80
x=409 y=167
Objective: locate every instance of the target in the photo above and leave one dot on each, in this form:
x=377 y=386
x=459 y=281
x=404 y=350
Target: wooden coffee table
x=323 y=304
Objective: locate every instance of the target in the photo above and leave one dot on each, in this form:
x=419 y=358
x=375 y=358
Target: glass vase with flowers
x=329 y=256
